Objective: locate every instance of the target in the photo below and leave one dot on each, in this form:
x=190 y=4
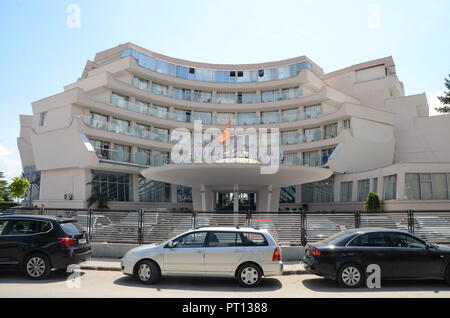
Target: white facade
x=115 y=122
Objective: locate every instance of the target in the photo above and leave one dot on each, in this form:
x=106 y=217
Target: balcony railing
x=243 y=119
x=134 y=131
x=142 y=158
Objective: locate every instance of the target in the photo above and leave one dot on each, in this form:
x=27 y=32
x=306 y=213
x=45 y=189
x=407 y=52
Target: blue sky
x=41 y=53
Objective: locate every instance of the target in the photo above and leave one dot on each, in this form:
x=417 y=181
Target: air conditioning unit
x=67 y=196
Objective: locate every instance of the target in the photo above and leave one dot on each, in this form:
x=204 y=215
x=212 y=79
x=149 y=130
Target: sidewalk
x=113 y=264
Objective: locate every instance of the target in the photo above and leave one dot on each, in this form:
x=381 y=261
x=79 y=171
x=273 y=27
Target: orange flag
x=225 y=134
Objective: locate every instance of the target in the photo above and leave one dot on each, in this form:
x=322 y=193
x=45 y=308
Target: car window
x=224 y=239
x=27 y=227
x=404 y=240
x=191 y=240
x=3 y=225
x=376 y=239
x=254 y=239
x=72 y=228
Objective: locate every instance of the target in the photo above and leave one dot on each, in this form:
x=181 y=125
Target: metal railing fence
x=288 y=228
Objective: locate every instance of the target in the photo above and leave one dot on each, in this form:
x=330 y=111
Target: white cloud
x=434 y=102
x=10 y=163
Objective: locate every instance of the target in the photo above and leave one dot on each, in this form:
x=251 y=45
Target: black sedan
x=345 y=256
x=37 y=244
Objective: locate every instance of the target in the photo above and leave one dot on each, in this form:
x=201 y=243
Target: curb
x=117 y=269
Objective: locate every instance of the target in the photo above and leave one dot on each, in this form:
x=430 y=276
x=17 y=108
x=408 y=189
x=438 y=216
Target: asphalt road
x=113 y=284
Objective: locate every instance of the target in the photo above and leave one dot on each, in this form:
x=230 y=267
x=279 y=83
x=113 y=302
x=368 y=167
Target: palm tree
x=96 y=196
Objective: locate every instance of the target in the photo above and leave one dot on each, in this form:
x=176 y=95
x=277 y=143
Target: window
x=347 y=124
x=27 y=227
x=98 y=121
x=160 y=134
x=377 y=239
x=363 y=190
x=226 y=98
x=427 y=186
x=375 y=185
x=246 y=119
x=330 y=131
x=102 y=148
x=115 y=185
x=191 y=70
x=119 y=100
x=287 y=194
x=406 y=241
x=204 y=117
x=318 y=192
x=42 y=119
x=270 y=117
x=289 y=115
x=312 y=134
x=269 y=96
x=346 y=191
x=153 y=191
x=140 y=83
x=3 y=225
x=143 y=156
x=240 y=74
x=72 y=228
x=184 y=194
x=313 y=111
x=183 y=115
x=121 y=153
x=311 y=158
x=390 y=187
x=289 y=137
x=224 y=239
x=192 y=240
x=326 y=153
x=158 y=111
x=160 y=89
x=254 y=239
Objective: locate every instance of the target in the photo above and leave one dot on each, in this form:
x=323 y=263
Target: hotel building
x=342 y=135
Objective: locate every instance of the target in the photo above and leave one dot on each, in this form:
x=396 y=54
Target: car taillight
x=315 y=252
x=276 y=255
x=67 y=241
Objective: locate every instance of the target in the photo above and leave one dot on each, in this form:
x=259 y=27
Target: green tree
x=445 y=100
x=4 y=194
x=373 y=202
x=96 y=196
x=19 y=187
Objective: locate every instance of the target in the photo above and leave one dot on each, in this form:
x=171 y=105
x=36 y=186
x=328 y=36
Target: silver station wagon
x=246 y=254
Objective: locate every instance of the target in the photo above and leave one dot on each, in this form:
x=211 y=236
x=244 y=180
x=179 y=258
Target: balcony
x=134 y=131
x=139 y=158
x=239 y=119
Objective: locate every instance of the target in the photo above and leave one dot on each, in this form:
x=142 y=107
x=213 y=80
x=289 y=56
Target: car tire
x=350 y=276
x=447 y=274
x=147 y=272
x=249 y=275
x=37 y=266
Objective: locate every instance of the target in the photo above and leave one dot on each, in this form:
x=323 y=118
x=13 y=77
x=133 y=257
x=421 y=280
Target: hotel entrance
x=225 y=201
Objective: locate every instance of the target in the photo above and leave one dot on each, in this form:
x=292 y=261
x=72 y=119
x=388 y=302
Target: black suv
x=37 y=244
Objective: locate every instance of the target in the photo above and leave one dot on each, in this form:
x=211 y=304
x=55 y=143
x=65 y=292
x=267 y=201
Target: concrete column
x=173 y=193
x=135 y=188
x=298 y=194
x=203 y=197
x=400 y=186
x=236 y=198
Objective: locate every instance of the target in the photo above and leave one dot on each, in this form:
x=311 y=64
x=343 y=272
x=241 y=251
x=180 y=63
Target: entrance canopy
x=243 y=174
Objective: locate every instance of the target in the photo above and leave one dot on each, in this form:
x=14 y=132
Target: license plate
x=82 y=241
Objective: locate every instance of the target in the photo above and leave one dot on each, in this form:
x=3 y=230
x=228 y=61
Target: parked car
x=400 y=255
x=38 y=244
x=246 y=254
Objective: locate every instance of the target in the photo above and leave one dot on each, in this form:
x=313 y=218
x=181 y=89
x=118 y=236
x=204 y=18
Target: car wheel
x=249 y=275
x=350 y=276
x=147 y=272
x=37 y=266
x=447 y=275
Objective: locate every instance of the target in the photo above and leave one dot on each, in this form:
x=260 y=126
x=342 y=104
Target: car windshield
x=72 y=228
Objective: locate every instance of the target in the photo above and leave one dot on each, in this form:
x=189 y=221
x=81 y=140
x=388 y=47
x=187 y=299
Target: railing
x=288 y=228
x=243 y=119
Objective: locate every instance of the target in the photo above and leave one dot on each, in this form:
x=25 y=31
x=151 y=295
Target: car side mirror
x=172 y=244
x=430 y=246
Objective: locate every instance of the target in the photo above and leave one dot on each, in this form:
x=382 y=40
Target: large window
x=318 y=192
x=363 y=190
x=115 y=185
x=313 y=111
x=390 y=187
x=289 y=137
x=153 y=191
x=246 y=119
x=427 y=186
x=205 y=117
x=312 y=134
x=184 y=194
x=330 y=131
x=346 y=191
x=287 y=194
x=311 y=158
x=269 y=117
